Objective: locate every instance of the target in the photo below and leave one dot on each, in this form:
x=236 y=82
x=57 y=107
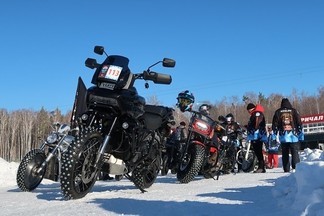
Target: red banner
x=312 y=118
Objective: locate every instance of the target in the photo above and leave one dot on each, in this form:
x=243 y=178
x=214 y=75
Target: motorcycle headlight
x=66 y=143
x=52 y=138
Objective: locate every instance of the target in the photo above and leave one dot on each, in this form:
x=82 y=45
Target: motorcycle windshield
x=113 y=73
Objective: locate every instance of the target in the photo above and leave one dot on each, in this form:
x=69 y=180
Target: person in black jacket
x=181 y=133
x=286 y=123
x=256 y=133
x=179 y=138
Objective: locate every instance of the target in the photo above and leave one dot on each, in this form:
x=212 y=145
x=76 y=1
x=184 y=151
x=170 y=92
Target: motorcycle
x=118 y=132
x=245 y=156
x=226 y=158
x=200 y=151
x=235 y=153
x=44 y=162
x=230 y=142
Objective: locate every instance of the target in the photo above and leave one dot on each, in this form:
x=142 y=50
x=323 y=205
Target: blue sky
x=222 y=48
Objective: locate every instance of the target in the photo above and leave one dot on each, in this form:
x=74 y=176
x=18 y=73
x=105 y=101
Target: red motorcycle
x=200 y=152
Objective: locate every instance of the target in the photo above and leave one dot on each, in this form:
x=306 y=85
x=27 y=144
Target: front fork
x=54 y=153
x=104 y=146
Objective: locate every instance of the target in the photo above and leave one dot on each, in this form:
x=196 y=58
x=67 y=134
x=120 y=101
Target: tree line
x=23 y=130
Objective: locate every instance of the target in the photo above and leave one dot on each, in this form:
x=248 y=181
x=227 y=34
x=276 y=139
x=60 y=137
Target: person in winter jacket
x=234 y=134
x=286 y=123
x=272 y=147
x=233 y=128
x=256 y=133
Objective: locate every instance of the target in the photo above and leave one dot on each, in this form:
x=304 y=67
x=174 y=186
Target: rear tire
x=27 y=178
x=146 y=173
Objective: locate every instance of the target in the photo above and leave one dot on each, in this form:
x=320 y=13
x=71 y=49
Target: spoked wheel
x=28 y=177
x=78 y=172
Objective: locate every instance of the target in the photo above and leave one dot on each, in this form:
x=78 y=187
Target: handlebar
x=157 y=77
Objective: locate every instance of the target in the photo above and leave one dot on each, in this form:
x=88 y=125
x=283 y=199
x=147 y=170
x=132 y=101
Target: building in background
x=314 y=131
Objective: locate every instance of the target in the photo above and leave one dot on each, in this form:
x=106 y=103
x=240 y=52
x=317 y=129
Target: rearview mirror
x=91 y=63
x=99 y=50
x=221 y=118
x=168 y=62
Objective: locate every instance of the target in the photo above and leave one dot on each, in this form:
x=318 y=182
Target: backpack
x=273 y=146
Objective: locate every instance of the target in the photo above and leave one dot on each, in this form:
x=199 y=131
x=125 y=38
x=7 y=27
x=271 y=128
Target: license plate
x=109 y=86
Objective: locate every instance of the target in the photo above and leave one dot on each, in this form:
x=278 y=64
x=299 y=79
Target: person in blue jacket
x=286 y=124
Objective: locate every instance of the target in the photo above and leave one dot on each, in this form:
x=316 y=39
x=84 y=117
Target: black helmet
x=183 y=123
x=185 y=101
x=229 y=117
x=204 y=109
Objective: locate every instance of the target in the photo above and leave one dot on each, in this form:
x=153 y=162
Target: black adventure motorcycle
x=118 y=132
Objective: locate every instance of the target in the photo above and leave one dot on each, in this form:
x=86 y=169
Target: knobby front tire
x=27 y=178
x=188 y=171
x=78 y=173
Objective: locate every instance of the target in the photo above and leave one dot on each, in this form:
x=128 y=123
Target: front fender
x=196 y=142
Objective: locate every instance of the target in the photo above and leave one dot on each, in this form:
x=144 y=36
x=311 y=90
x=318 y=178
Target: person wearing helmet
x=204 y=109
x=185 y=101
x=232 y=127
x=234 y=134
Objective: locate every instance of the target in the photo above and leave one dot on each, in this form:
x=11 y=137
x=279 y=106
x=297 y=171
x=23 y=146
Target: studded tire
x=78 y=174
x=27 y=178
x=146 y=173
x=188 y=170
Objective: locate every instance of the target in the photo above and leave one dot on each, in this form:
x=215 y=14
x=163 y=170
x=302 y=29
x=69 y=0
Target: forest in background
x=23 y=130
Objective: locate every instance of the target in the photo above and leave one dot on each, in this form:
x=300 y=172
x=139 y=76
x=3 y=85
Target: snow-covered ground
x=270 y=193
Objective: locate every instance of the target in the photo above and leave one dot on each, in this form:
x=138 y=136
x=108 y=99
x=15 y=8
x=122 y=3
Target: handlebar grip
x=158 y=78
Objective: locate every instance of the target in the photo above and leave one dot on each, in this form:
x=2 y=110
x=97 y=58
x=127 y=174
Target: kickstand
x=218 y=173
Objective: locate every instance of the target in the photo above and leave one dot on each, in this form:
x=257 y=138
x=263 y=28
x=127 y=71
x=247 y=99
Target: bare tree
x=4 y=134
x=153 y=100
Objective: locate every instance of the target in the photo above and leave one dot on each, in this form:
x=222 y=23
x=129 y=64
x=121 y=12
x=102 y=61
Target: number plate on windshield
x=111 y=72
